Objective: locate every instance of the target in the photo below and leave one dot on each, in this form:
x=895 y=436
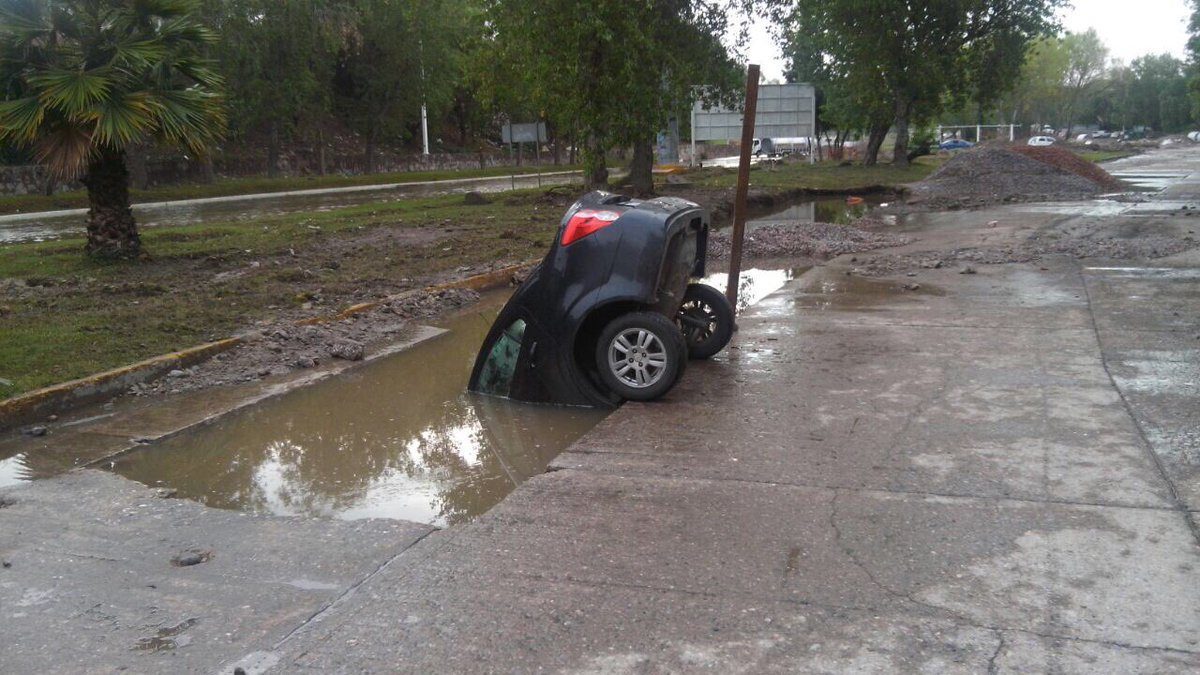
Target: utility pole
x=743 y=186
x=424 y=128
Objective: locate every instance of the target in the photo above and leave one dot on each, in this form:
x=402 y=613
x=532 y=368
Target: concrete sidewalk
x=873 y=479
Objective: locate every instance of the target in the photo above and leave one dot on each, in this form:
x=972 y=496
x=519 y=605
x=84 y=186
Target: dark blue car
x=610 y=313
x=956 y=144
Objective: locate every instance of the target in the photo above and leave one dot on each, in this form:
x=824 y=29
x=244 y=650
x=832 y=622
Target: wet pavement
x=995 y=472
x=17 y=228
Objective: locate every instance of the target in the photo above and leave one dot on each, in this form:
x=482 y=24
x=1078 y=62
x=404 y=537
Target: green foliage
x=1066 y=81
x=82 y=78
x=899 y=60
x=399 y=55
x=604 y=71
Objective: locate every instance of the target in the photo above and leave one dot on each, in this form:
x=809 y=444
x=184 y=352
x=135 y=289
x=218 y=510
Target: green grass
x=826 y=176
x=239 y=186
x=70 y=316
x=1099 y=156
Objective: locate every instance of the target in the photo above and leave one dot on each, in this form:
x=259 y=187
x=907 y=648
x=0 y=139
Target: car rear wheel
x=640 y=355
x=706 y=320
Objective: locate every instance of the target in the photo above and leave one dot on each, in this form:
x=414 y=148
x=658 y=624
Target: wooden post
x=743 y=186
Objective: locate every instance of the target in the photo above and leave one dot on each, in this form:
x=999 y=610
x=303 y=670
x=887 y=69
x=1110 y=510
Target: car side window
x=497 y=373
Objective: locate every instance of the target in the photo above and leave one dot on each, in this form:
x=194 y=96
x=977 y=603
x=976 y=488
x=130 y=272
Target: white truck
x=778 y=147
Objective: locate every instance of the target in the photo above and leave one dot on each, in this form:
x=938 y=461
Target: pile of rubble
x=282 y=347
x=991 y=175
x=820 y=241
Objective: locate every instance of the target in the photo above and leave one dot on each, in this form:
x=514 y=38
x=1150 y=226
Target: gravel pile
x=1066 y=160
x=282 y=347
x=811 y=240
x=990 y=175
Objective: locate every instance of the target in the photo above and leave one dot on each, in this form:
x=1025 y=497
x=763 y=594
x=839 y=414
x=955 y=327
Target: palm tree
x=85 y=79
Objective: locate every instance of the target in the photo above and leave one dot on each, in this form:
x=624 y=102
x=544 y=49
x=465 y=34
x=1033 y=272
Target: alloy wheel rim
x=637 y=357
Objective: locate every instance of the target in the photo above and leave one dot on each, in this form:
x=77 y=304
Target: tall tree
x=399 y=55
x=915 y=51
x=278 y=60
x=1087 y=58
x=611 y=71
x=85 y=79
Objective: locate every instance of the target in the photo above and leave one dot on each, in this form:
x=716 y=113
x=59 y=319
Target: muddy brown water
x=835 y=210
x=399 y=438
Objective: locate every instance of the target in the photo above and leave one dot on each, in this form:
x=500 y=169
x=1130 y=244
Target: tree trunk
x=641 y=167
x=206 y=169
x=273 y=150
x=595 y=171
x=111 y=229
x=875 y=137
x=900 y=149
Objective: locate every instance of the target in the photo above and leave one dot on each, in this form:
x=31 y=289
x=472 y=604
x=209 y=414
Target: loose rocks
x=815 y=240
x=990 y=175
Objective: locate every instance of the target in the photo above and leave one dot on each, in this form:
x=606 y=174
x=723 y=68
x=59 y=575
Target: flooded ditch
x=400 y=438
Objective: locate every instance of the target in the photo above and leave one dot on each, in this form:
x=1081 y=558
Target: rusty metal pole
x=743 y=186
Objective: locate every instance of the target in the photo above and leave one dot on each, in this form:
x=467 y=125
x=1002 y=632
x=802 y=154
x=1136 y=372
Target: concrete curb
x=34 y=405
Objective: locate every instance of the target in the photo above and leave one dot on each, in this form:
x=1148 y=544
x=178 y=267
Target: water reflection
x=824 y=210
x=14 y=470
x=754 y=284
x=399 y=439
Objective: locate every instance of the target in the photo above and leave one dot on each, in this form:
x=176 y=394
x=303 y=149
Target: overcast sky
x=1130 y=28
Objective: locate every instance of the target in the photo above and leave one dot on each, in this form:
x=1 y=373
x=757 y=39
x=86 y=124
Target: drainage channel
x=399 y=438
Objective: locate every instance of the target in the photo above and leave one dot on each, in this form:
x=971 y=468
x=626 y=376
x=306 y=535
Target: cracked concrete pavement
x=994 y=473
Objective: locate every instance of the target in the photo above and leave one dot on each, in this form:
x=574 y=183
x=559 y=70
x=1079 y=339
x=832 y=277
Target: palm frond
x=65 y=150
x=200 y=71
x=139 y=54
x=84 y=76
x=71 y=91
x=120 y=120
x=191 y=116
x=21 y=119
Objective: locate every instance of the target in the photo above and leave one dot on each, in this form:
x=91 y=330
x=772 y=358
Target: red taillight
x=585 y=222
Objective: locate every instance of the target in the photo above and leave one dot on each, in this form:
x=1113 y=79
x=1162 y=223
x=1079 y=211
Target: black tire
x=706 y=320
x=665 y=345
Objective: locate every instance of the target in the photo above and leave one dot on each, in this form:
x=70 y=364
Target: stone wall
x=25 y=180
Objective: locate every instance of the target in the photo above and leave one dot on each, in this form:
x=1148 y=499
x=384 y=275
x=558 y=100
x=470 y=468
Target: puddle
x=1148 y=181
x=399 y=438
x=825 y=210
x=1168 y=273
x=17 y=228
x=13 y=470
x=832 y=291
x=755 y=284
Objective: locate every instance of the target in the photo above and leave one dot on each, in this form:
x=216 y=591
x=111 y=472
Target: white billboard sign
x=784 y=111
